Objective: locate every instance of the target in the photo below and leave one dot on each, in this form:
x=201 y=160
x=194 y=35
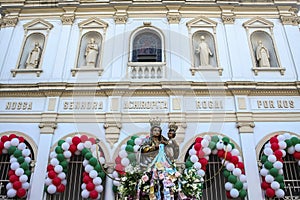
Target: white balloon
x=51 y=189
x=64 y=182
x=61 y=175
x=192 y=152
x=14 y=142
x=245 y=186
x=282 y=144
x=278 y=165
x=280 y=171
x=214 y=152
x=85 y=162
x=220 y=145
x=7 y=144
x=204 y=143
x=13 y=159
x=19 y=171
x=11 y=193
x=136 y=148
x=228 y=186
x=69 y=140
x=117 y=183
x=58 y=168
x=4 y=151
x=65 y=146
x=268 y=151
x=201 y=172
x=235 y=152
x=283 y=152
x=280 y=193
x=85 y=193
x=237 y=172
x=93 y=174
x=297 y=147
x=243 y=178
x=14 y=165
x=67 y=154
x=83 y=186
x=80 y=146
x=272 y=158
x=26 y=152
x=291 y=150
x=27 y=159
x=234 y=193
x=53 y=154
x=88 y=168
x=115 y=174
x=298 y=162
x=123 y=154
x=197 y=165
x=77 y=152
x=9 y=186
x=125 y=162
x=275 y=185
x=206 y=150
x=207 y=137
x=99 y=188
x=102 y=160
x=123 y=147
x=137 y=141
x=264 y=172
x=287 y=136
x=228 y=148
x=48 y=181
x=268 y=145
x=88 y=144
x=97 y=181
x=269 y=178
x=194 y=158
x=280 y=138
x=230 y=167
x=25 y=185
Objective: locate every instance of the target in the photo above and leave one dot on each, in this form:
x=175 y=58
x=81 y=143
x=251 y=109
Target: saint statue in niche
x=34 y=56
x=204 y=52
x=262 y=55
x=91 y=53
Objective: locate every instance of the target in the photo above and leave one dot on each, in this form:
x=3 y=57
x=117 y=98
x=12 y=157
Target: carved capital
x=289 y=20
x=10 y=21
x=245 y=127
x=112 y=132
x=120 y=18
x=67 y=19
x=173 y=17
x=228 y=19
x=47 y=127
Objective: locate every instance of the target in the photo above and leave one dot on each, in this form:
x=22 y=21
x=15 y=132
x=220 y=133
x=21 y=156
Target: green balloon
x=98 y=168
x=134 y=137
x=129 y=148
x=226 y=139
x=188 y=164
x=115 y=189
x=232 y=179
x=58 y=150
x=215 y=138
x=279 y=178
x=288 y=143
x=226 y=173
x=130 y=142
x=65 y=170
x=88 y=155
x=263 y=159
x=238 y=185
x=131 y=157
x=282 y=186
x=60 y=157
x=93 y=161
x=101 y=175
x=84 y=151
x=21 y=159
x=212 y=145
x=27 y=172
x=60 y=142
x=64 y=164
x=274 y=172
x=268 y=165
x=25 y=166
x=294 y=140
x=242 y=193
x=233 y=146
x=11 y=150
x=17 y=153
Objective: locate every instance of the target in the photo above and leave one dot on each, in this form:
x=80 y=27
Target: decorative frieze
x=10 y=21
x=173 y=17
x=67 y=19
x=228 y=19
x=121 y=14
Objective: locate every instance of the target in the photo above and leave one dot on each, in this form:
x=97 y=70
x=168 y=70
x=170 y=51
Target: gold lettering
x=198 y=104
x=210 y=104
x=14 y=104
x=204 y=105
x=265 y=104
x=279 y=105
x=66 y=105
x=285 y=104
x=29 y=106
x=291 y=104
x=24 y=105
x=271 y=103
x=8 y=106
x=259 y=104
x=19 y=106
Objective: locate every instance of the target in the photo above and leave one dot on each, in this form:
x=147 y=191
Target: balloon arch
x=272 y=161
x=93 y=175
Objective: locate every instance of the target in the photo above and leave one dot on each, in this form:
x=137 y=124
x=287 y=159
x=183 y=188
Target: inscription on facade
x=213 y=104
x=82 y=105
x=158 y=105
x=275 y=104
x=18 y=105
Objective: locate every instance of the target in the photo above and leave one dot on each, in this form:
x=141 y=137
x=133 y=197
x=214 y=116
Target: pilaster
x=112 y=127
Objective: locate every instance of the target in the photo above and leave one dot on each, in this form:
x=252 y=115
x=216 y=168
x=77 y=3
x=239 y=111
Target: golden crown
x=173 y=126
x=155 y=122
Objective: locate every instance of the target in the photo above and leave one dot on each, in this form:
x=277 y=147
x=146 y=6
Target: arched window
x=147 y=47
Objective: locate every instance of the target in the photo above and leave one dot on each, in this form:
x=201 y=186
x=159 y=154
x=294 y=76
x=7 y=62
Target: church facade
x=102 y=69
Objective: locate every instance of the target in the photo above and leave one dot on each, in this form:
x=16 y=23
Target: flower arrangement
x=192 y=184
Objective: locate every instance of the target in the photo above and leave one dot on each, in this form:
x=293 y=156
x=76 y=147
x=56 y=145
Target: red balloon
x=13 y=178
x=93 y=140
x=21 y=139
x=274 y=146
x=198 y=140
x=76 y=140
x=94 y=194
x=240 y=165
x=228 y=156
x=11 y=136
x=273 y=140
x=1 y=145
x=72 y=148
x=265 y=185
x=11 y=172
x=221 y=153
x=61 y=188
x=200 y=154
x=118 y=160
x=228 y=194
x=90 y=186
x=4 y=138
x=85 y=174
x=278 y=154
x=297 y=155
x=21 y=192
x=120 y=169
x=17 y=185
x=197 y=146
x=50 y=168
x=56 y=181
x=270 y=192
x=203 y=168
x=203 y=161
x=84 y=138
x=52 y=174
x=87 y=179
x=234 y=159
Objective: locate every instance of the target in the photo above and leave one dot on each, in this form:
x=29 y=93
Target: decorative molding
x=201 y=22
x=228 y=19
x=289 y=20
x=67 y=19
x=38 y=24
x=199 y=69
x=92 y=23
x=245 y=127
x=112 y=132
x=75 y=70
x=268 y=69
x=26 y=71
x=10 y=21
x=47 y=127
x=173 y=17
x=258 y=22
x=121 y=14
